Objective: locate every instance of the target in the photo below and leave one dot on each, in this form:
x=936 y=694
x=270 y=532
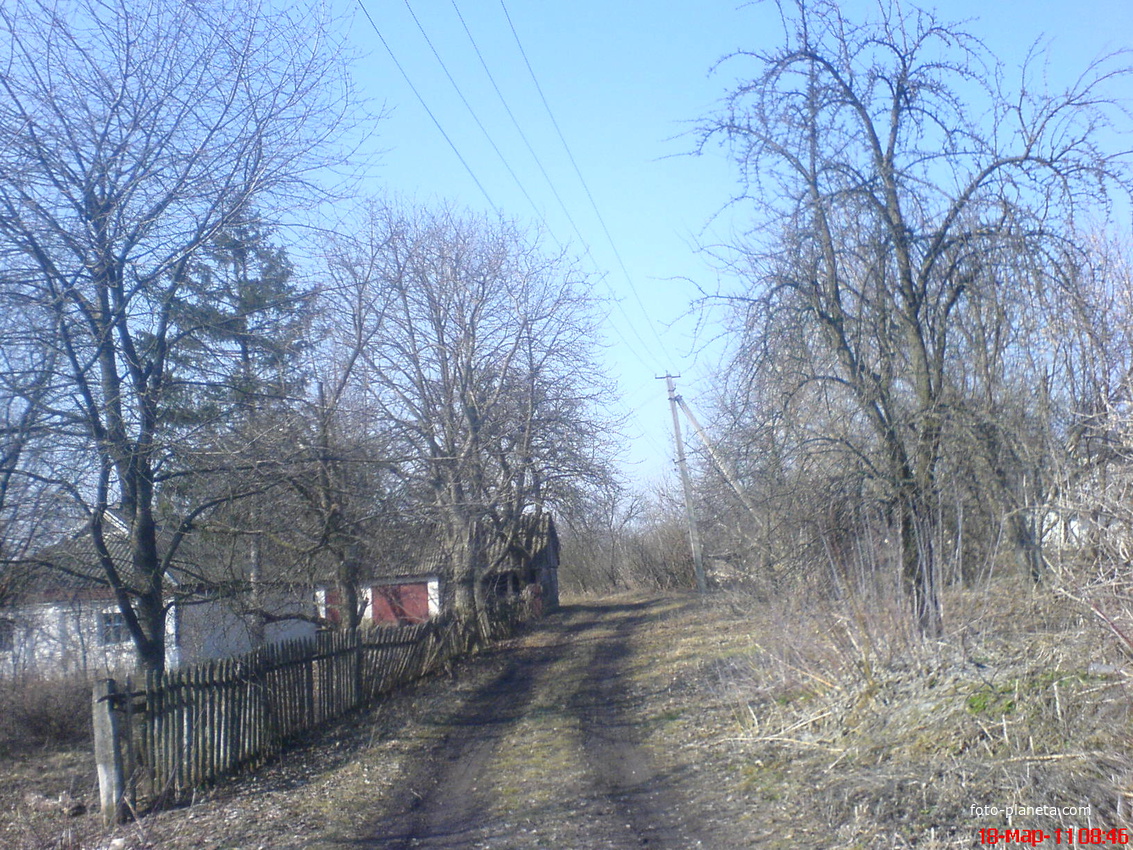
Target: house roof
x=73 y=567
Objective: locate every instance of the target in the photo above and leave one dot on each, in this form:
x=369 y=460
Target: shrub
x=44 y=712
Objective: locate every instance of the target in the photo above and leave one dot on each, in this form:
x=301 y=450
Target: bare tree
x=896 y=179
x=598 y=538
x=25 y=478
x=132 y=134
x=477 y=353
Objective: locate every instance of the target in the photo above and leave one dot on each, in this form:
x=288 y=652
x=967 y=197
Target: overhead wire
x=515 y=123
x=471 y=111
x=425 y=106
x=582 y=181
x=649 y=354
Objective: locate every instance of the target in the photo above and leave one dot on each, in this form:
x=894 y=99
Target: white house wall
x=66 y=638
x=218 y=629
x=63 y=638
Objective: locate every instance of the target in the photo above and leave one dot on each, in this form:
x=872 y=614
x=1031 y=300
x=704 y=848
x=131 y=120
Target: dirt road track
x=548 y=752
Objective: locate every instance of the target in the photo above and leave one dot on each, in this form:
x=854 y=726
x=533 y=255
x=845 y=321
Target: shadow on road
x=575 y=661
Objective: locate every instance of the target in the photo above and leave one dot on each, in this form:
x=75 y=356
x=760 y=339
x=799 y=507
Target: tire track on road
x=447 y=800
x=650 y=812
x=562 y=691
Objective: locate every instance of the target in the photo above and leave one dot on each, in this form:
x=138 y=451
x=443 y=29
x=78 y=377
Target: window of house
x=113 y=628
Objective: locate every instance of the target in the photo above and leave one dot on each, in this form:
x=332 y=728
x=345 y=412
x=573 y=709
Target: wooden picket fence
x=159 y=739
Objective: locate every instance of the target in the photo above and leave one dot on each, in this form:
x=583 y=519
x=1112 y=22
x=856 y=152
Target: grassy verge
x=842 y=729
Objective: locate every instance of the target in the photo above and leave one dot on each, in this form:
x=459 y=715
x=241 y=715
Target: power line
x=581 y=179
x=425 y=106
x=652 y=358
x=516 y=124
x=471 y=111
x=551 y=184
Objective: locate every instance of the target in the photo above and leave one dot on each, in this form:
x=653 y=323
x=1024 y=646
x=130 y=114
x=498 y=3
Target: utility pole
x=721 y=465
x=693 y=536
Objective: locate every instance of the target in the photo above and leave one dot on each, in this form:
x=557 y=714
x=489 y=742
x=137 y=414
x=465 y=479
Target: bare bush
x=44 y=712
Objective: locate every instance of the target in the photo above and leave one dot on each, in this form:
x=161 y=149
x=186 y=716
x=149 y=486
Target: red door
x=401 y=603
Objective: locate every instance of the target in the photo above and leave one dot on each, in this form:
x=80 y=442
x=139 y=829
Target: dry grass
x=847 y=719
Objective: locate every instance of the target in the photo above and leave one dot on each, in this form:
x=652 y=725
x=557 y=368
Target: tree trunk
x=348 y=602
x=257 y=622
x=1028 y=545
x=918 y=561
x=463 y=548
x=149 y=638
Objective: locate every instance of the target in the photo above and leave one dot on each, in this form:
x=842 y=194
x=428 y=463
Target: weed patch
x=897 y=738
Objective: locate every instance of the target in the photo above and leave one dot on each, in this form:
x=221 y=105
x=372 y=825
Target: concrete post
x=108 y=751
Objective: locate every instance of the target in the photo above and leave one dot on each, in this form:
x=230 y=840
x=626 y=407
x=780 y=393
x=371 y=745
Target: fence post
x=108 y=751
x=357 y=684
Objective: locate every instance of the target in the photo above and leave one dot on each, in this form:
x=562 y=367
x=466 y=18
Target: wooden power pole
x=693 y=535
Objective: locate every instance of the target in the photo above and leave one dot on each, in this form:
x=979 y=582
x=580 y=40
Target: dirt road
x=546 y=752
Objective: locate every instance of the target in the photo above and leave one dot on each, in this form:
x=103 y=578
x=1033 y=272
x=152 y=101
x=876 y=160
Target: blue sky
x=624 y=81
